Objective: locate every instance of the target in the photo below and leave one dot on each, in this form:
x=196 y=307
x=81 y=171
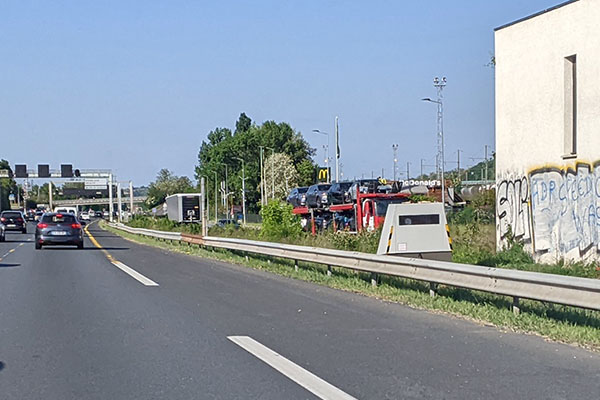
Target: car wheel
x=80 y=245
x=24 y=230
x=38 y=246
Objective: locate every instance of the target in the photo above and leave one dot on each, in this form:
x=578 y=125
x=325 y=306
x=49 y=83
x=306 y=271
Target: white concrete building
x=548 y=131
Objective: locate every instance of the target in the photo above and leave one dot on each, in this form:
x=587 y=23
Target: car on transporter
x=58 y=229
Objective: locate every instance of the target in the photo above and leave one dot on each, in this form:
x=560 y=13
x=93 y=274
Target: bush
x=279 y=222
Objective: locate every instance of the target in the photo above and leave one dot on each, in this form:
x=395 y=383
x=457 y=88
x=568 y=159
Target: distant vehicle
x=297 y=197
x=13 y=221
x=223 y=223
x=91 y=213
x=58 y=229
x=2 y=232
x=365 y=186
x=105 y=214
x=84 y=216
x=66 y=210
x=38 y=215
x=30 y=216
x=337 y=193
x=184 y=207
x=98 y=214
x=316 y=195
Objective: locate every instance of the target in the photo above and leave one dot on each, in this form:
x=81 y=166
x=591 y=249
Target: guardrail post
x=433 y=289
x=516 y=308
x=329 y=270
x=373 y=279
x=296 y=265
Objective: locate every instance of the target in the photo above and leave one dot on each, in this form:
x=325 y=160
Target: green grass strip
x=559 y=323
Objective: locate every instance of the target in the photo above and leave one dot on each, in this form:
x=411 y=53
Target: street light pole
x=226 y=192
x=326 y=150
x=243 y=190
x=395 y=148
x=262 y=178
x=216 y=192
x=440 y=84
x=337 y=151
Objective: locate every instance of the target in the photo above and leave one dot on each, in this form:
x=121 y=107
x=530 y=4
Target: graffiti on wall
x=512 y=206
x=555 y=209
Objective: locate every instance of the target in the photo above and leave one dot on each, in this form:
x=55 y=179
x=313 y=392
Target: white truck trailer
x=184 y=207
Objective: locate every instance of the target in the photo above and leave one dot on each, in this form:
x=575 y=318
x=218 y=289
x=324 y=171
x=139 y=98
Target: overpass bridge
x=97 y=202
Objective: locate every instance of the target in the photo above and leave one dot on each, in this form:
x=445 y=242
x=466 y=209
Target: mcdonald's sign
x=323 y=174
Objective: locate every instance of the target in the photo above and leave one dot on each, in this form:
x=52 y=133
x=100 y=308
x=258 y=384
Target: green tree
x=7 y=186
x=223 y=147
x=165 y=185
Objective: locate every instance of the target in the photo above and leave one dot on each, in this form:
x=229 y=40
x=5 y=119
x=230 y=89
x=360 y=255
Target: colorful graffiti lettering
x=556 y=210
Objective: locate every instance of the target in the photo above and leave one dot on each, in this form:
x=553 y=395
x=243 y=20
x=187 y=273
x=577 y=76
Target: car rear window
x=302 y=190
x=58 y=218
x=324 y=187
x=12 y=214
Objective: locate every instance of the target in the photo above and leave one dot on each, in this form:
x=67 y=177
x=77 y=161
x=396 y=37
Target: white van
x=66 y=210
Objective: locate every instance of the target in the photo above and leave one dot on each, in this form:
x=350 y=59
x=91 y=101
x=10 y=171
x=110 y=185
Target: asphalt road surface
x=135 y=322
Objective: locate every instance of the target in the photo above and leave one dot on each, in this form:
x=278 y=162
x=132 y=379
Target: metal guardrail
x=571 y=291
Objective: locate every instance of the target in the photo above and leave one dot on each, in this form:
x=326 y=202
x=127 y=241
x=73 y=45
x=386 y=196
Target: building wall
x=549 y=200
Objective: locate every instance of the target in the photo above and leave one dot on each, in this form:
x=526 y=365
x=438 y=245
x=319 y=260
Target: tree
x=7 y=186
x=280 y=171
x=223 y=147
x=165 y=185
x=243 y=124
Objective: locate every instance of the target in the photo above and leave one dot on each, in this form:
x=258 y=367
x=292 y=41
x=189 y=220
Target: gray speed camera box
x=416 y=230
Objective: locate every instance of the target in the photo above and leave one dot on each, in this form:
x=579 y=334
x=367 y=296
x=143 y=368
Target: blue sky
x=136 y=86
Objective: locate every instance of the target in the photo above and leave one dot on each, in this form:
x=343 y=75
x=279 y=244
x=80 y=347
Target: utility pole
x=50 y=197
x=110 y=197
x=262 y=178
x=458 y=163
x=216 y=196
x=440 y=84
x=422 y=159
x=204 y=210
x=395 y=148
x=131 y=198
x=407 y=170
x=382 y=173
x=486 y=163
x=119 y=205
x=337 y=151
x=243 y=190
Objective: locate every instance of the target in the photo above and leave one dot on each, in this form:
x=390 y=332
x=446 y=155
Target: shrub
x=278 y=221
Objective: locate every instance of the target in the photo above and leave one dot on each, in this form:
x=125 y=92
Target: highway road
x=135 y=322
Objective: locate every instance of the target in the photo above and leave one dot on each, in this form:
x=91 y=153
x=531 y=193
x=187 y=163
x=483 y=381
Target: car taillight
x=20 y=219
x=76 y=226
x=42 y=226
x=2 y=219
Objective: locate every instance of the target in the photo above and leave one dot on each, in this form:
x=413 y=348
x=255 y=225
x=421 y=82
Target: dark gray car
x=316 y=196
x=297 y=197
x=58 y=229
x=13 y=221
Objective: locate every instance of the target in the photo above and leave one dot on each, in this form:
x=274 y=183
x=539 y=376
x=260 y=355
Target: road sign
x=96 y=183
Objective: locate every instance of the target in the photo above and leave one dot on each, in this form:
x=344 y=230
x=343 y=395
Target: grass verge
x=560 y=323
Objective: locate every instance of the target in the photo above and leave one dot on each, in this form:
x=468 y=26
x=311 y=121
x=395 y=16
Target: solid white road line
x=302 y=377
x=134 y=274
